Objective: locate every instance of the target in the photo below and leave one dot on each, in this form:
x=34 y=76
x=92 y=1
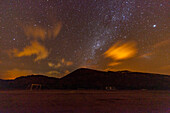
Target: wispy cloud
x=35 y=32
x=57 y=74
x=162 y=43
x=13 y=73
x=54 y=74
x=147 y=55
x=50 y=64
x=34 y=49
x=69 y=63
x=121 y=51
x=156 y=48
x=61 y=63
x=56 y=30
x=38 y=32
x=114 y=63
x=66 y=72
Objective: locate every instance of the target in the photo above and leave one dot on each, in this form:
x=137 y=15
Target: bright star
x=154 y=25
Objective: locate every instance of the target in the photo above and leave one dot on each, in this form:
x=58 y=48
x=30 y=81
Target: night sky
x=56 y=37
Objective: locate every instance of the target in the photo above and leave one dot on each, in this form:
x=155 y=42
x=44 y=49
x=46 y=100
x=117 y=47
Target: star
x=154 y=25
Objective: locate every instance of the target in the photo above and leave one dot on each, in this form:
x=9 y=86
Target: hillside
x=25 y=82
x=84 y=78
x=92 y=79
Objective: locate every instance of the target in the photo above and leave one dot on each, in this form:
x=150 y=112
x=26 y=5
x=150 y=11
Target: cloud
x=109 y=69
x=62 y=60
x=114 y=63
x=57 y=74
x=34 y=49
x=53 y=74
x=121 y=51
x=147 y=55
x=89 y=66
x=66 y=72
x=50 y=64
x=12 y=74
x=62 y=63
x=35 y=32
x=162 y=43
x=156 y=49
x=69 y=63
x=38 y=32
x=57 y=29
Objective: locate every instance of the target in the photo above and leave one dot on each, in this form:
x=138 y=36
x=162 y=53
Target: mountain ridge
x=84 y=78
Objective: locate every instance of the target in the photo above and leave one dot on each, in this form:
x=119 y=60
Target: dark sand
x=84 y=101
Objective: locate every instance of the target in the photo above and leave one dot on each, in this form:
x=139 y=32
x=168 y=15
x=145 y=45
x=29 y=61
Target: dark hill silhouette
x=24 y=82
x=4 y=84
x=92 y=79
x=84 y=78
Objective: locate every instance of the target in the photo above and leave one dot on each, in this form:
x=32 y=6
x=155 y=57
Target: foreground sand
x=84 y=101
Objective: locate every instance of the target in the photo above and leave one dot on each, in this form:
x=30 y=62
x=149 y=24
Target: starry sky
x=56 y=37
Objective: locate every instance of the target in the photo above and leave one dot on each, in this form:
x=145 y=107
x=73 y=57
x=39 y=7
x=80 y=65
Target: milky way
x=55 y=37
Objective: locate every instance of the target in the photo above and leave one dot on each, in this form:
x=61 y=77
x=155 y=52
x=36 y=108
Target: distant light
x=13 y=38
x=154 y=25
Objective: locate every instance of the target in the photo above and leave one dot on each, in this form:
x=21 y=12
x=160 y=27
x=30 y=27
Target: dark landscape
x=87 y=91
x=84 y=78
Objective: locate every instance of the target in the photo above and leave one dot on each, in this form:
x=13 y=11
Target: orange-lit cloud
x=34 y=49
x=121 y=51
x=57 y=74
x=50 y=64
x=12 y=74
x=69 y=63
x=54 y=74
x=62 y=63
x=147 y=55
x=62 y=60
x=57 y=29
x=89 y=66
x=66 y=72
x=114 y=63
x=162 y=43
x=109 y=69
x=35 y=32
x=38 y=32
x=156 y=48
